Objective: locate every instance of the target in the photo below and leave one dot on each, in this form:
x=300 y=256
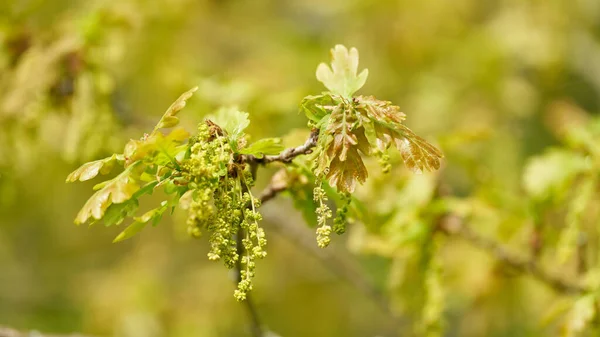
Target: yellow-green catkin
x=323 y=213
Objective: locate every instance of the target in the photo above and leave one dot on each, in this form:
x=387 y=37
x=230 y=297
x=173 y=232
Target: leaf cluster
x=355 y=126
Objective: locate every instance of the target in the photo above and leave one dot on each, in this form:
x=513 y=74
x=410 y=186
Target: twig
x=9 y=332
x=286 y=155
x=276 y=186
x=453 y=225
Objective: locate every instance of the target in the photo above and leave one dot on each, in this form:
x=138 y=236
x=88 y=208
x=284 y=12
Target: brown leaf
x=378 y=110
x=417 y=153
x=343 y=174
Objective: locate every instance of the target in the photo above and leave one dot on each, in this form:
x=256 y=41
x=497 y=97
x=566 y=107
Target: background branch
x=455 y=226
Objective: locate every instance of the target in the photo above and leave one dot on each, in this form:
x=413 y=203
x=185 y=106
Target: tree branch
x=454 y=225
x=287 y=155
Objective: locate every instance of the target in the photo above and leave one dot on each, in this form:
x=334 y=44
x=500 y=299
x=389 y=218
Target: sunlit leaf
x=169 y=119
x=341 y=161
x=341 y=77
x=153 y=216
x=89 y=170
x=383 y=125
x=168 y=122
x=316 y=107
x=156 y=144
x=115 y=191
x=417 y=153
x=231 y=120
x=130 y=231
x=381 y=111
x=266 y=146
x=116 y=213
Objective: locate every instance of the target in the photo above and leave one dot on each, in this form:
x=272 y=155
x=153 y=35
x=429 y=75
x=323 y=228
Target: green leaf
x=168 y=122
x=116 y=213
x=89 y=170
x=316 y=107
x=130 y=231
x=266 y=146
x=230 y=119
x=115 y=191
x=158 y=148
x=341 y=78
x=168 y=119
x=551 y=173
x=153 y=215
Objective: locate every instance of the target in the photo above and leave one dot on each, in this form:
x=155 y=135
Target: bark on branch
x=289 y=154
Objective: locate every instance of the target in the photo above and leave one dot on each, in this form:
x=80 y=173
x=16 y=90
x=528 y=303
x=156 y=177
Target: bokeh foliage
x=509 y=90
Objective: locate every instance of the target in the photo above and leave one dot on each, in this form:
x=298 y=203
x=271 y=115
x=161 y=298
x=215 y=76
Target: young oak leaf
x=341 y=78
x=341 y=161
x=383 y=124
x=153 y=215
x=262 y=147
x=116 y=213
x=169 y=118
x=115 y=191
x=155 y=144
x=89 y=170
x=316 y=107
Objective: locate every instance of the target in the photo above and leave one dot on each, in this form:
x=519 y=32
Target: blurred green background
x=78 y=78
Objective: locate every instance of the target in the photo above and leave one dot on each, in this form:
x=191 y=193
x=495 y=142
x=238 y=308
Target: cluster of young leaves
x=353 y=125
x=203 y=173
x=149 y=163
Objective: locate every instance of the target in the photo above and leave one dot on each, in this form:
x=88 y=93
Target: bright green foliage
x=341 y=79
x=203 y=174
x=90 y=170
x=266 y=146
